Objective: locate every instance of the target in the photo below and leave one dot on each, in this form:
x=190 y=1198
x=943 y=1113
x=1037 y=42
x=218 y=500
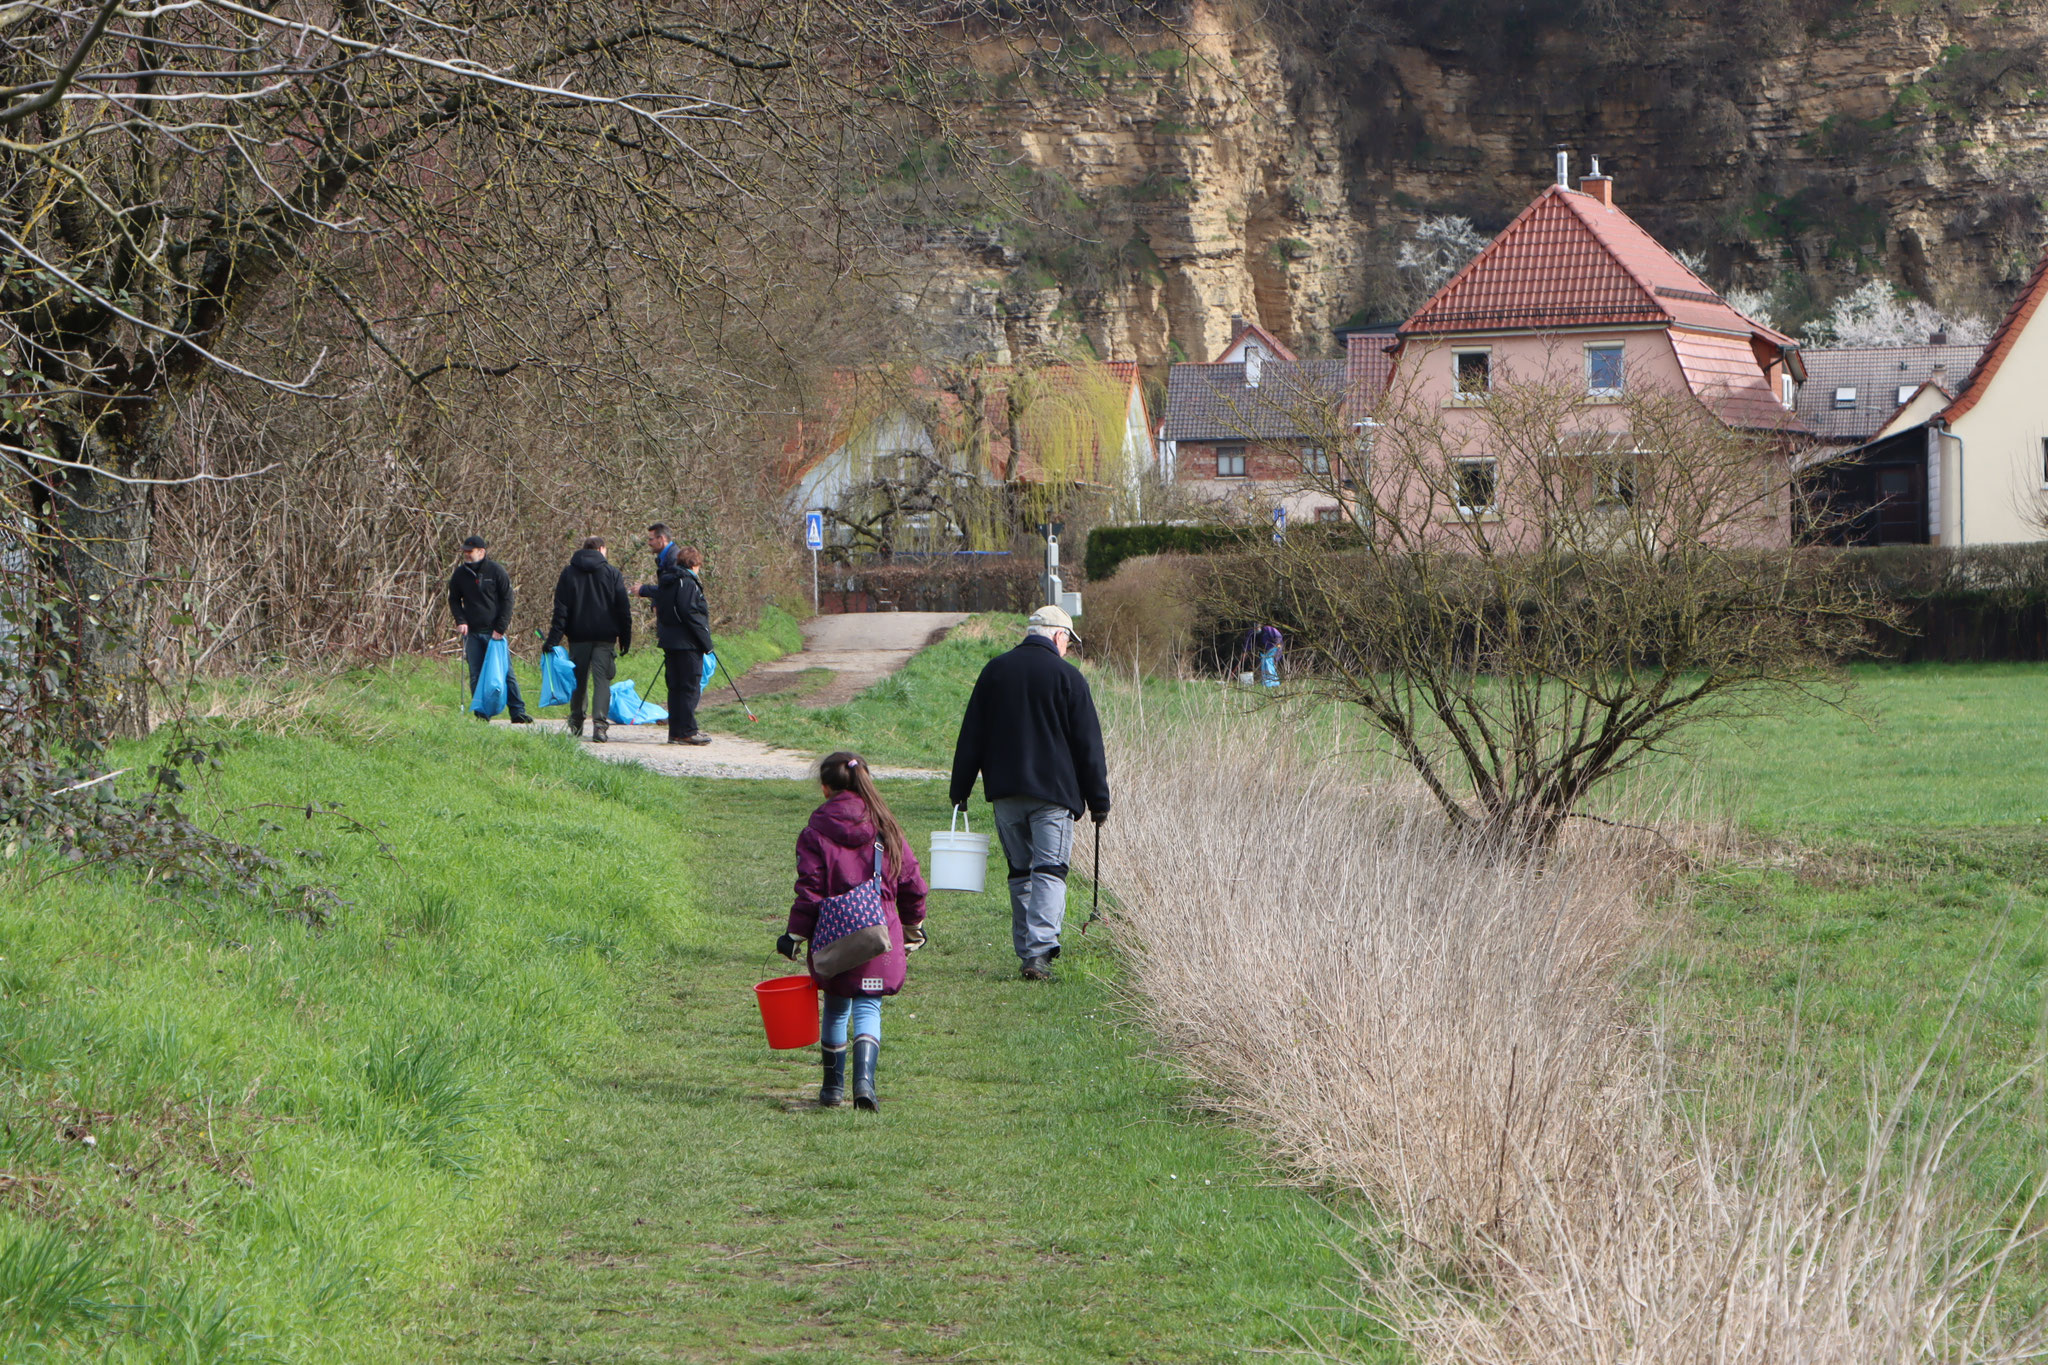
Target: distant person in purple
x=1261 y=649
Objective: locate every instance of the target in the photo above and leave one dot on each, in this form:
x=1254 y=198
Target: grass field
x=512 y=1103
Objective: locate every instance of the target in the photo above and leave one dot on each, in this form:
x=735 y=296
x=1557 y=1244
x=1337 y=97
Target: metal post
x=814 y=582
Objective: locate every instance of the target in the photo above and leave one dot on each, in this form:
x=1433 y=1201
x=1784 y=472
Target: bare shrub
x=1407 y=1012
x=1140 y=621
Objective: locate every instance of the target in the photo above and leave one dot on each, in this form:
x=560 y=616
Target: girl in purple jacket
x=834 y=854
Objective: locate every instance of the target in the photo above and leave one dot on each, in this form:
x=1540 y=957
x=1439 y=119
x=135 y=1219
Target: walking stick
x=736 y=692
x=1095 y=886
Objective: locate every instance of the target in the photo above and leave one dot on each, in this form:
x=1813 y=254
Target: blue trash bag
x=630 y=708
x=489 y=698
x=1269 y=668
x=710 y=671
x=557 y=677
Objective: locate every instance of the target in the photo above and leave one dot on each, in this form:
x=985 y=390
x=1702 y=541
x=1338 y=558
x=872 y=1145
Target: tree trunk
x=100 y=535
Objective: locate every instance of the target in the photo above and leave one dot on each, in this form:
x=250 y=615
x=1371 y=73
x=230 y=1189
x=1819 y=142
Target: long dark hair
x=848 y=772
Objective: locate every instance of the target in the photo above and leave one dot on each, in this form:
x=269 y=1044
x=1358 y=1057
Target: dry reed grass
x=1450 y=1031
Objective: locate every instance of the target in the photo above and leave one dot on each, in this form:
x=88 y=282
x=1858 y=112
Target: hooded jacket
x=682 y=618
x=836 y=853
x=480 y=596
x=1031 y=730
x=591 y=603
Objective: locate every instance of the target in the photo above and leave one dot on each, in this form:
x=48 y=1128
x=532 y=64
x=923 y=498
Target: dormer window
x=1254 y=362
x=1845 y=398
x=1604 y=371
x=1475 y=373
x=1785 y=391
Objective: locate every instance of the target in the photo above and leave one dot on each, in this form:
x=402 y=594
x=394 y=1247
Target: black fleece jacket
x=591 y=603
x=480 y=595
x=682 y=618
x=1031 y=730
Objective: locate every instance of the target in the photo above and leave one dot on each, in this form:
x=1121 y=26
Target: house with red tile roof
x=1575 y=295
x=1968 y=469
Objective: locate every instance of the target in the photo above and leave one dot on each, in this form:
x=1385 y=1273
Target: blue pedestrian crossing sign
x=814 y=530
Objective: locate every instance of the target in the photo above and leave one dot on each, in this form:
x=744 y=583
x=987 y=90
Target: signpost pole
x=814 y=537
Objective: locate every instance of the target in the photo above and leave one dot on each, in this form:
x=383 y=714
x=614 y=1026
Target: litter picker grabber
x=736 y=692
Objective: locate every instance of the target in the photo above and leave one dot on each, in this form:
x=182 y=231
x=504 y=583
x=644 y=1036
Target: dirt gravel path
x=724 y=756
x=858 y=650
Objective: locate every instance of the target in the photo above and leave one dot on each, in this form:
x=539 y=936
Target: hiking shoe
x=481 y=716
x=522 y=720
x=1035 y=969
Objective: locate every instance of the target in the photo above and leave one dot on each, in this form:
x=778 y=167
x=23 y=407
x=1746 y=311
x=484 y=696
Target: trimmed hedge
x=1109 y=546
x=1986 y=603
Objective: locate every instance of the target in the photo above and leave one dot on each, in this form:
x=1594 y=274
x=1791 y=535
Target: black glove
x=1098 y=816
x=787 y=946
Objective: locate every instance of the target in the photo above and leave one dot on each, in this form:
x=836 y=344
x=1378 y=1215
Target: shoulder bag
x=852 y=927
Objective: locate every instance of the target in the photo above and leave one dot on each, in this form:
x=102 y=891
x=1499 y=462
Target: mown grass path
x=1035 y=1189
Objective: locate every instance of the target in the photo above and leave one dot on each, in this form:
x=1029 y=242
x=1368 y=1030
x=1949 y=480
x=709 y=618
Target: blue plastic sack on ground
x=629 y=708
x=710 y=671
x=489 y=698
x=557 y=677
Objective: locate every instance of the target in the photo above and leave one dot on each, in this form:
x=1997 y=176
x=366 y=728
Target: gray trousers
x=1038 y=839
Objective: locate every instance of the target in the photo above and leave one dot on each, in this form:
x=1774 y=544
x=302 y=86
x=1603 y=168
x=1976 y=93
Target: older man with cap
x=1032 y=736
x=480 y=599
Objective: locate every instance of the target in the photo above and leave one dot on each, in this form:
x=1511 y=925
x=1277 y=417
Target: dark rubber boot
x=832 y=1093
x=866 y=1052
x=600 y=732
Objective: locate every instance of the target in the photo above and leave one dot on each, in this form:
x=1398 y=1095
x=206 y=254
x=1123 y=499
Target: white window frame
x=1845 y=395
x=1459 y=392
x=1241 y=454
x=1620 y=351
x=1786 y=393
x=1612 y=471
x=1464 y=462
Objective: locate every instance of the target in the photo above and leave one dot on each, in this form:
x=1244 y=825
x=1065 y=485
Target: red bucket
x=789 y=1010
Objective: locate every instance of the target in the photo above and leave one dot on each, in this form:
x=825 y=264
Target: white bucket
x=959 y=858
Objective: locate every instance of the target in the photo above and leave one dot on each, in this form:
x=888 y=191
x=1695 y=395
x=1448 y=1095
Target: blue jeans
x=473 y=646
x=1038 y=839
x=865 y=1010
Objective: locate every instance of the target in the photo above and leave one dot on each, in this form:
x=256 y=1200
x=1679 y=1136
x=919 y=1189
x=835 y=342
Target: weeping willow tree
x=972 y=454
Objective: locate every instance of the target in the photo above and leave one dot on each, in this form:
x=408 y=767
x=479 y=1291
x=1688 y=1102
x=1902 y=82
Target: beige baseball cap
x=1052 y=618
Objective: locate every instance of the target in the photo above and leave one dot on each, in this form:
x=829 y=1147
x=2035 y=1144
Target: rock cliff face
x=1270 y=164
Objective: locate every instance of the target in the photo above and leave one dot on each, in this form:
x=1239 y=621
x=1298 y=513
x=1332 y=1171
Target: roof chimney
x=1236 y=323
x=1601 y=187
x=1564 y=168
x=1938 y=337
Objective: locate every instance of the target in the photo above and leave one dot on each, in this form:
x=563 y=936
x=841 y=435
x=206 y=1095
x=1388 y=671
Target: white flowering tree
x=1877 y=314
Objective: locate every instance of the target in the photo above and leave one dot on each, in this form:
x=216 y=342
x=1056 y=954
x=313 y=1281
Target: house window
x=1475 y=373
x=1603 y=371
x=1477 y=484
x=1329 y=512
x=1315 y=460
x=1906 y=392
x=1229 y=462
x=1845 y=398
x=1618 y=487
x=1785 y=388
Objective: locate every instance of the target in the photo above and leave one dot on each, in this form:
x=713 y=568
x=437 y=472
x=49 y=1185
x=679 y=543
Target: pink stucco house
x=1575 y=295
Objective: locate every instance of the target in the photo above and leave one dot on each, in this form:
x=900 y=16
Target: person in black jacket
x=682 y=623
x=593 y=612
x=480 y=599
x=1032 y=735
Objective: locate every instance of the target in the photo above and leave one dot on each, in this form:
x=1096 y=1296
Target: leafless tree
x=476 y=192
x=1526 y=625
